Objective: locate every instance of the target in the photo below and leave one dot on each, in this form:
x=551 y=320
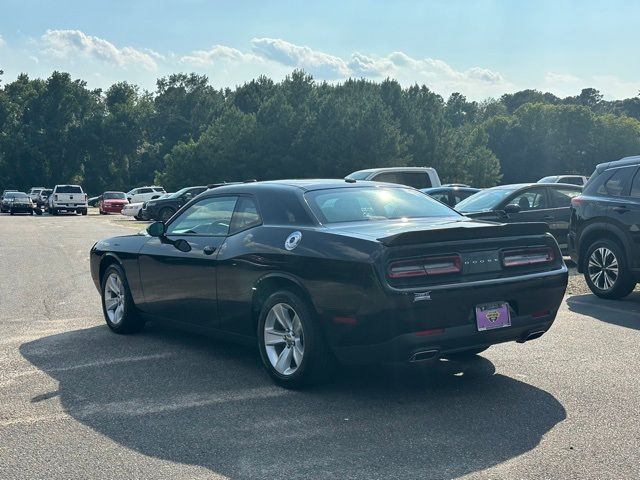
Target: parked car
x=132 y=210
x=68 y=198
x=570 y=179
x=416 y=177
x=34 y=193
x=450 y=195
x=604 y=232
x=16 y=202
x=43 y=197
x=526 y=202
x=112 y=202
x=93 y=201
x=4 y=192
x=164 y=208
x=308 y=269
x=144 y=194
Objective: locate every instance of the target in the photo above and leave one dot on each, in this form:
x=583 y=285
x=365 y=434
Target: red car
x=112 y=202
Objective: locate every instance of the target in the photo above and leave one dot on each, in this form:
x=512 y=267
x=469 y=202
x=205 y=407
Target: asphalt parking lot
x=77 y=401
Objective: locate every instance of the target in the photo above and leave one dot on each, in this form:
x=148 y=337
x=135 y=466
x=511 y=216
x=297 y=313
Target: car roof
x=518 y=186
x=303 y=185
x=393 y=169
x=623 y=162
x=449 y=189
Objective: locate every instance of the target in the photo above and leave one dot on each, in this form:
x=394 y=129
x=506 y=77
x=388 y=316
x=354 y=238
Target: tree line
x=186 y=132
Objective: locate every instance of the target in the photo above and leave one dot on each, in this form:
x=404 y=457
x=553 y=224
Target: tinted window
x=245 y=216
x=461 y=195
x=209 y=216
x=616 y=182
x=283 y=208
x=68 y=189
x=159 y=189
x=635 y=186
x=441 y=197
x=534 y=199
x=389 y=177
x=561 y=197
x=416 y=179
x=370 y=204
x=551 y=179
x=145 y=190
x=359 y=175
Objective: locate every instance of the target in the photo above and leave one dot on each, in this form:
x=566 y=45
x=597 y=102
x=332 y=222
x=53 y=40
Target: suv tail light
x=422 y=267
x=527 y=256
x=579 y=200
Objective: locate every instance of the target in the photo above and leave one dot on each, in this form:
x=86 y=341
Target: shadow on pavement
x=625 y=312
x=188 y=399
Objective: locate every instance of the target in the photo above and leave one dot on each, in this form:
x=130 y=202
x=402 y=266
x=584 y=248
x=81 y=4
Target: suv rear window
x=616 y=182
x=411 y=179
x=68 y=189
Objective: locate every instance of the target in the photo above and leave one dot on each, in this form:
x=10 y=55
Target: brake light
x=422 y=267
x=579 y=200
x=527 y=256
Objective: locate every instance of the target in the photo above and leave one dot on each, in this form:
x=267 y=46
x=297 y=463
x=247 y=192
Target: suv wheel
x=605 y=270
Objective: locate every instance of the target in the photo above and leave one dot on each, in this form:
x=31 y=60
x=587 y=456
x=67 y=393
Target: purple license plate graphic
x=492 y=315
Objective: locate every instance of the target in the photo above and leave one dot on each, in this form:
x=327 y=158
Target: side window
x=245 y=216
x=561 y=197
x=145 y=190
x=635 y=186
x=389 y=177
x=533 y=199
x=459 y=196
x=210 y=216
x=616 y=183
x=571 y=180
x=416 y=179
x=441 y=197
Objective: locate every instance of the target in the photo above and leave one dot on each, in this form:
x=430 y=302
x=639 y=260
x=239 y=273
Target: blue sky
x=481 y=48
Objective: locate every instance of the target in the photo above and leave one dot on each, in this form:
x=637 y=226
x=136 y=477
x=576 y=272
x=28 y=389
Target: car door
x=627 y=213
x=178 y=270
x=560 y=197
x=533 y=203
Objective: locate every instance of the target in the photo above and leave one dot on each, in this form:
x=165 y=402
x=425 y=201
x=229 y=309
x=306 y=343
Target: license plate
x=492 y=315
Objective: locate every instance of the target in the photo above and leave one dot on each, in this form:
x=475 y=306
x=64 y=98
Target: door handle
x=621 y=209
x=209 y=250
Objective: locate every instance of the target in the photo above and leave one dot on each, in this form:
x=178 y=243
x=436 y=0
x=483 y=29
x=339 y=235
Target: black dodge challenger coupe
x=319 y=270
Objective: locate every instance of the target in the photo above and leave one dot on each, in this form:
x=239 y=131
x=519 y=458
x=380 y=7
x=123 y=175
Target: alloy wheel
x=284 y=339
x=603 y=268
x=114 y=298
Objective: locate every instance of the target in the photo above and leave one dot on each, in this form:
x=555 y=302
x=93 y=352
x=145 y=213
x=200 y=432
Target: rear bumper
x=411 y=347
x=70 y=206
x=394 y=327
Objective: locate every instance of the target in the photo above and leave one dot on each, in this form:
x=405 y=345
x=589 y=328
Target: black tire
x=165 y=214
x=11 y=212
x=137 y=217
x=53 y=211
x=466 y=354
x=623 y=284
x=83 y=211
x=130 y=322
x=317 y=360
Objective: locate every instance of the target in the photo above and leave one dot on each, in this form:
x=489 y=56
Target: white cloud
x=216 y=54
x=612 y=87
x=2 y=42
x=315 y=62
x=67 y=44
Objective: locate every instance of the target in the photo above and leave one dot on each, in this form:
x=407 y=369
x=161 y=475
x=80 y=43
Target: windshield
x=361 y=175
x=114 y=196
x=177 y=194
x=484 y=200
x=18 y=195
x=68 y=189
x=373 y=203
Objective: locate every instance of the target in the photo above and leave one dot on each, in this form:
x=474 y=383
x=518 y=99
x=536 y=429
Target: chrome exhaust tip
x=423 y=355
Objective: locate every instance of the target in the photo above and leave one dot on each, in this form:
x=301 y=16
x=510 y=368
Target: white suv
x=68 y=198
x=34 y=193
x=416 y=177
x=144 y=194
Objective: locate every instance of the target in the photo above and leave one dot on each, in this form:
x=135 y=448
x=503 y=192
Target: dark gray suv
x=604 y=230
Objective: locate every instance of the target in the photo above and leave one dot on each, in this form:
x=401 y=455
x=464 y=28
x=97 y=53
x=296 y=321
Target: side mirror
x=512 y=208
x=129 y=199
x=157 y=229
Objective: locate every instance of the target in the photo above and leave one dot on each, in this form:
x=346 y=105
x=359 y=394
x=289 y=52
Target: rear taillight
x=575 y=201
x=527 y=256
x=422 y=267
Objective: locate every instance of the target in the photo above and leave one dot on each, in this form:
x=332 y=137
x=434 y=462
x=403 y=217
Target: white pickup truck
x=68 y=198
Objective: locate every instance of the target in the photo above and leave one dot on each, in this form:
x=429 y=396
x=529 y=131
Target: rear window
x=114 y=195
x=340 y=205
x=572 y=180
x=68 y=189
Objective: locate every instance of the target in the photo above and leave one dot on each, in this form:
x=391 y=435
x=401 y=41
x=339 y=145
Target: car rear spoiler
x=460 y=232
